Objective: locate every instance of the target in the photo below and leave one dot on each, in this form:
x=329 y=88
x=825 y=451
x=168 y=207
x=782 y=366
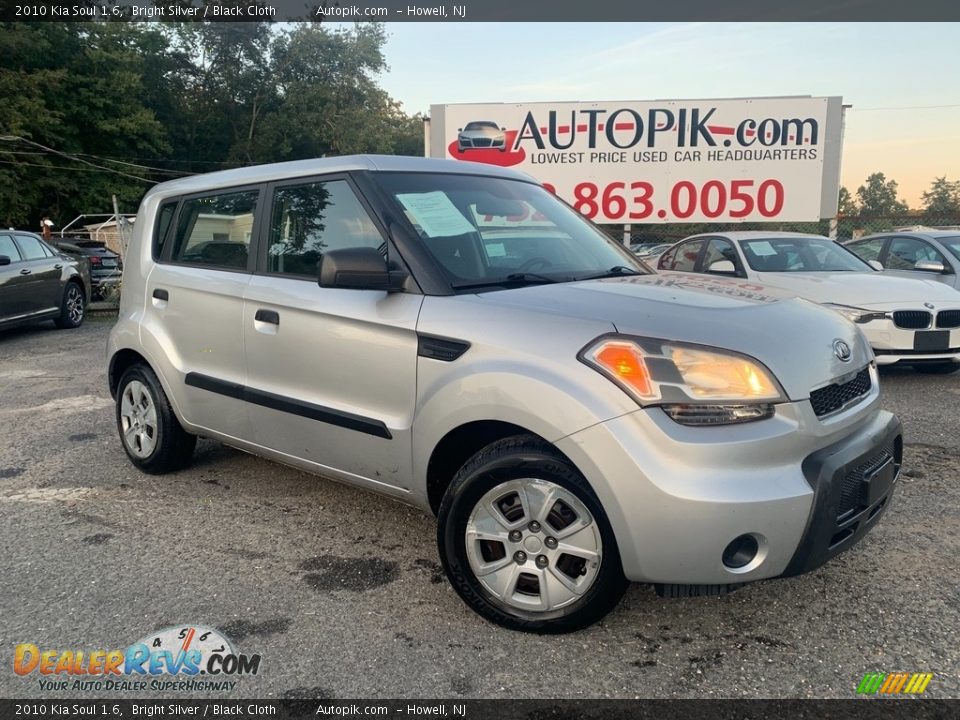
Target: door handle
x=267 y=316
x=25 y=271
x=161 y=294
x=58 y=267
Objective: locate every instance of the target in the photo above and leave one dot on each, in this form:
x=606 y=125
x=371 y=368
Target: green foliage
x=180 y=99
x=879 y=197
x=943 y=198
x=846 y=205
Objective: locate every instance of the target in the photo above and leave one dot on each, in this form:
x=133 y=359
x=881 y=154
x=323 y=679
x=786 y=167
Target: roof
x=255 y=174
x=760 y=235
x=931 y=233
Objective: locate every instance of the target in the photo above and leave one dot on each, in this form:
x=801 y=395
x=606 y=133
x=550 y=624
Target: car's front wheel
x=151 y=434
x=525 y=541
x=73 y=307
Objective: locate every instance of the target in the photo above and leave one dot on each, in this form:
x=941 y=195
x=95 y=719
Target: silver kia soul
x=452 y=335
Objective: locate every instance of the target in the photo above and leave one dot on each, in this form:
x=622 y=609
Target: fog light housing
x=740 y=552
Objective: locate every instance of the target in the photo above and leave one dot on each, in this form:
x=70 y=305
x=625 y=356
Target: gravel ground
x=341 y=593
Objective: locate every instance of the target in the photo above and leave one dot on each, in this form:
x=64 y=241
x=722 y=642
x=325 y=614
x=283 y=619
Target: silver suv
x=453 y=336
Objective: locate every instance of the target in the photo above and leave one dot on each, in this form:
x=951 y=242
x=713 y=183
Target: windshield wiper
x=615 y=271
x=520 y=278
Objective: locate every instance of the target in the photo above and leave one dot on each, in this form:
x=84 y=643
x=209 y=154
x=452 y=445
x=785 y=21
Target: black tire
x=939 y=368
x=173 y=446
x=524 y=456
x=73 y=307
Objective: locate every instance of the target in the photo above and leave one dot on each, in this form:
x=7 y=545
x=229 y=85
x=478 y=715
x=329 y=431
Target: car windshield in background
x=482 y=126
x=951 y=243
x=800 y=255
x=486 y=231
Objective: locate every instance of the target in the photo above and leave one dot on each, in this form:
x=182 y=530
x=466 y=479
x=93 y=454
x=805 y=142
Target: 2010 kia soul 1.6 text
x=452 y=335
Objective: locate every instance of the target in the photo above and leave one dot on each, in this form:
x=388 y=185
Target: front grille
x=948 y=351
x=482 y=142
x=911 y=319
x=853 y=491
x=948 y=319
x=833 y=397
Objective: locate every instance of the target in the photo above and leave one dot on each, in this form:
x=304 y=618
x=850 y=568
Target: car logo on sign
x=842 y=351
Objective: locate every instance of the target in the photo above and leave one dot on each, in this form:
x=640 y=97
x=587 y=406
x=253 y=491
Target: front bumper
x=677 y=496
x=892 y=344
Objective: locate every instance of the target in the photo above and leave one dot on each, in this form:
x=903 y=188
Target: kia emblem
x=842 y=351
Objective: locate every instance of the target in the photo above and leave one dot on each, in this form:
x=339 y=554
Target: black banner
x=290 y=709
x=478 y=10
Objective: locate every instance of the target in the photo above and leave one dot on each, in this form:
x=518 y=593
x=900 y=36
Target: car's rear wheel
x=151 y=435
x=937 y=368
x=73 y=307
x=525 y=541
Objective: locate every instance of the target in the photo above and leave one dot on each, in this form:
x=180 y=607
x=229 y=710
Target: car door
x=14 y=287
x=331 y=371
x=194 y=305
x=42 y=270
x=905 y=251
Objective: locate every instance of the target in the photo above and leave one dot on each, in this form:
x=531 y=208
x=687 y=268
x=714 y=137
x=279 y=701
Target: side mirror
x=929 y=266
x=875 y=264
x=503 y=129
x=459 y=129
x=4 y=260
x=358 y=269
x=724 y=267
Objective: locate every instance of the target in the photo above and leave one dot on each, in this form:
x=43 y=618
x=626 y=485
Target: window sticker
x=762 y=248
x=435 y=214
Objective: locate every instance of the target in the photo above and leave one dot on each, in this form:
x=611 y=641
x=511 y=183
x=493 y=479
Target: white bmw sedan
x=907 y=321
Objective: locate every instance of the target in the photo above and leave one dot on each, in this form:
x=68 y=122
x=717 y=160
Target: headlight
x=694 y=384
x=855 y=314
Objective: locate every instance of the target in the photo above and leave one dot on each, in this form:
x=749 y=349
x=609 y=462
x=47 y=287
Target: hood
x=869 y=290
x=791 y=336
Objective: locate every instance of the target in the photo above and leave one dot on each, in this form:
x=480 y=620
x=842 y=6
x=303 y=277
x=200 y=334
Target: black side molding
x=437 y=347
x=331 y=416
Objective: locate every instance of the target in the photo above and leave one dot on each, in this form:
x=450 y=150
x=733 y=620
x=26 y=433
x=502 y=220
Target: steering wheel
x=534 y=262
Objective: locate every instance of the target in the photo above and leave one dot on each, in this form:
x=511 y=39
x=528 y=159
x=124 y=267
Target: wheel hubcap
x=509 y=554
x=74 y=304
x=138 y=419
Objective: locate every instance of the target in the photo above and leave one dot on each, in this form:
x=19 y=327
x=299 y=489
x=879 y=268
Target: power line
x=54 y=167
x=16 y=138
x=130 y=164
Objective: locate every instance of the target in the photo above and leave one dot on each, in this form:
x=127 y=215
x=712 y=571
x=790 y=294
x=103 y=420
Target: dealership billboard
x=667 y=161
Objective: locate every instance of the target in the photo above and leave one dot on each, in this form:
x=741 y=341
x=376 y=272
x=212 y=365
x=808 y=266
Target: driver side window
x=905 y=252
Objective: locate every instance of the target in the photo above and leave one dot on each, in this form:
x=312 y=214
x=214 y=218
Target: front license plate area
x=931 y=340
x=878 y=483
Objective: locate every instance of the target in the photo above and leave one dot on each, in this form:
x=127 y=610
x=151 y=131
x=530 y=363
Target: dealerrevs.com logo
x=185 y=658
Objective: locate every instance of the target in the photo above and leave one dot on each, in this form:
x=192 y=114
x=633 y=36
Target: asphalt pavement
x=341 y=593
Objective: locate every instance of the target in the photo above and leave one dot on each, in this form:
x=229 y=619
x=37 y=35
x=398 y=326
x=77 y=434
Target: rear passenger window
x=8 y=248
x=312 y=219
x=215 y=230
x=684 y=258
x=30 y=247
x=162 y=227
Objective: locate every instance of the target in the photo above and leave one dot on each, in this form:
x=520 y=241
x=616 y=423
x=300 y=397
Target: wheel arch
x=461 y=443
x=120 y=361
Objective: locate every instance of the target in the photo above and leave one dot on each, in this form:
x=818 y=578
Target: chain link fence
x=844 y=227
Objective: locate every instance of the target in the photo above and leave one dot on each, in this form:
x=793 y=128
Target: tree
x=846 y=205
x=879 y=197
x=943 y=198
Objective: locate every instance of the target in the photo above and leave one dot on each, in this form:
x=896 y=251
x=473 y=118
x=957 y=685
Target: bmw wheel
x=525 y=541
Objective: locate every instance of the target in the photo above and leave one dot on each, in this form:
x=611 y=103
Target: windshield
x=951 y=243
x=800 y=255
x=481 y=125
x=483 y=230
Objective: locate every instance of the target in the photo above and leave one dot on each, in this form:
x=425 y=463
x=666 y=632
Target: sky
x=898 y=77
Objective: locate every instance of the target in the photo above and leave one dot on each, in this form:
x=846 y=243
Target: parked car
x=106 y=267
x=907 y=321
x=39 y=283
x=930 y=254
x=481 y=134
x=574 y=421
x=652 y=254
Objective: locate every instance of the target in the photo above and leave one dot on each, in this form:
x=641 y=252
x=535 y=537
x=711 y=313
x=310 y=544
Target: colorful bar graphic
x=898 y=683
